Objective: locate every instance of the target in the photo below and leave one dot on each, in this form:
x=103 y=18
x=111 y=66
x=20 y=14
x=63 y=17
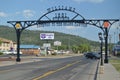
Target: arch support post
x=106 y=45
x=18 y=33
x=18 y=27
x=107 y=26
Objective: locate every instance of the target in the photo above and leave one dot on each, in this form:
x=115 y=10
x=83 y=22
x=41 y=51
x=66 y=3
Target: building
x=30 y=49
x=6 y=45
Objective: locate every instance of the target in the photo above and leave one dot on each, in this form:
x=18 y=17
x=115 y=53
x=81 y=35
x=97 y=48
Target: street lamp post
x=101 y=46
x=101 y=64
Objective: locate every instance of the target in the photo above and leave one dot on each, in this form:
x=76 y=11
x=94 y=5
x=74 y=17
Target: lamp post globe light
x=101 y=46
x=100 y=35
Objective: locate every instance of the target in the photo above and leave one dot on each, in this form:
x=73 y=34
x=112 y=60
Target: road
x=71 y=68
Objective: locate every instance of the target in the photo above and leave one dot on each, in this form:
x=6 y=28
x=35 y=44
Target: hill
x=33 y=37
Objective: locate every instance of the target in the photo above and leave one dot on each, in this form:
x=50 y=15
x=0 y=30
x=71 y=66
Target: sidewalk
x=7 y=61
x=110 y=73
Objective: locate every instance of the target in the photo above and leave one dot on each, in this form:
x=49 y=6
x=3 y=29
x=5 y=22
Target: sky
x=16 y=10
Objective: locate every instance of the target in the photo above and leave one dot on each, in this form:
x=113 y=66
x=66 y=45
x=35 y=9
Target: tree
x=75 y=48
x=84 y=48
x=0 y=42
x=62 y=47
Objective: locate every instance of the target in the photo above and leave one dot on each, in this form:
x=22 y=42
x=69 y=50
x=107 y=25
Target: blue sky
x=13 y=10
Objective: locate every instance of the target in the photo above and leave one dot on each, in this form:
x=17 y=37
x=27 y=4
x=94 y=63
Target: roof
x=6 y=40
x=29 y=46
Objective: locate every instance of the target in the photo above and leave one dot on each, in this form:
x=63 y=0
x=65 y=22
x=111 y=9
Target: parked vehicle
x=14 y=52
x=92 y=55
x=116 y=50
x=7 y=52
x=11 y=52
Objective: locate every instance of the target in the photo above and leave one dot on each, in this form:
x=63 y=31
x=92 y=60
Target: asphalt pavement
x=6 y=61
x=50 y=68
x=11 y=60
x=109 y=72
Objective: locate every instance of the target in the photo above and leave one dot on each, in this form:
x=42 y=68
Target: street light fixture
x=100 y=35
x=101 y=46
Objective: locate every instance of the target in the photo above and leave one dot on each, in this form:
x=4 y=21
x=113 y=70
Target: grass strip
x=116 y=64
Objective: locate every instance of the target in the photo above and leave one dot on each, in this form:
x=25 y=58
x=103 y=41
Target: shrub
x=1 y=53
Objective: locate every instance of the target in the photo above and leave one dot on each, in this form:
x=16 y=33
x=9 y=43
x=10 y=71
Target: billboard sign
x=57 y=43
x=45 y=36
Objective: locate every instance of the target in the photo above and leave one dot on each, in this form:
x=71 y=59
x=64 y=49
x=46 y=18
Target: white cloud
x=28 y=13
x=70 y=27
x=73 y=27
x=2 y=14
x=18 y=13
x=92 y=1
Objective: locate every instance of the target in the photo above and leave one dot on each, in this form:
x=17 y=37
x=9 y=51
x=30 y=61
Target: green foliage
x=62 y=47
x=75 y=49
x=0 y=42
x=1 y=53
x=118 y=54
x=33 y=37
x=82 y=48
x=116 y=64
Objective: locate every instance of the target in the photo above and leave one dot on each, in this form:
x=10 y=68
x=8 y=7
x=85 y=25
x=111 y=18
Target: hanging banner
x=45 y=36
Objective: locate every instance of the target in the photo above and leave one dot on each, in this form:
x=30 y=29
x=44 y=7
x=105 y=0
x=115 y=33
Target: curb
x=97 y=69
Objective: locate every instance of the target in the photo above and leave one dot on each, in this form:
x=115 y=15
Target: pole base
x=101 y=70
x=18 y=60
x=106 y=61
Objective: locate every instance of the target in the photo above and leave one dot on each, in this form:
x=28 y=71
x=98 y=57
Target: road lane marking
x=44 y=75
x=51 y=72
x=6 y=70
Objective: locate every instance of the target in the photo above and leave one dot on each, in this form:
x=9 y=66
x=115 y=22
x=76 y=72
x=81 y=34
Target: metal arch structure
x=62 y=19
x=64 y=16
x=100 y=23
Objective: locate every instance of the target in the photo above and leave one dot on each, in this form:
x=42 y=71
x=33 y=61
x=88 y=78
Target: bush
x=54 y=53
x=1 y=53
x=118 y=54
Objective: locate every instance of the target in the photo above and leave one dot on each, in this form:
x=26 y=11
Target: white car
x=11 y=52
x=7 y=52
x=14 y=52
